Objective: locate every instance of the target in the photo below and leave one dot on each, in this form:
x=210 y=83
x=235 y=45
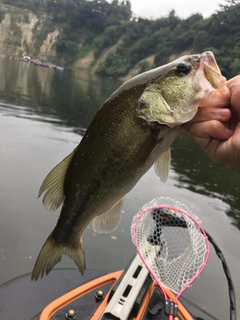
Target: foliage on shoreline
x=97 y=25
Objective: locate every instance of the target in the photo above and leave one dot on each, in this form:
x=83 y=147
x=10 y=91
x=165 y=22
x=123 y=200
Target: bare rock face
x=24 y=33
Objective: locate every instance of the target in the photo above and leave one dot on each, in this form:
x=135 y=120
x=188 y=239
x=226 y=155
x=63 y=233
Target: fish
x=133 y=129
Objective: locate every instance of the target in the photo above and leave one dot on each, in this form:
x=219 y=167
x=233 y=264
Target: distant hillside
x=107 y=39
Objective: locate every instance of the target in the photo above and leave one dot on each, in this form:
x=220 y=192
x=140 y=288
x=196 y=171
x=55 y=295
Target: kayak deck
x=96 y=295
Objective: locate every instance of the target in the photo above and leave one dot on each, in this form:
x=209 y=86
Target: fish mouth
x=213 y=83
x=211 y=70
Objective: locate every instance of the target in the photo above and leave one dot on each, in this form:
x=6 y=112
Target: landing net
x=171 y=243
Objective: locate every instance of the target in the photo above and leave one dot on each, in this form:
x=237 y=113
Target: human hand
x=217 y=130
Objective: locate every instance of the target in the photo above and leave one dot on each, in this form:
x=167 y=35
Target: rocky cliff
x=24 y=33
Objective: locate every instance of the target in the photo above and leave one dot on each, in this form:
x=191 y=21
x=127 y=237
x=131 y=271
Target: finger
x=207 y=114
x=204 y=132
x=233 y=82
x=234 y=85
x=227 y=152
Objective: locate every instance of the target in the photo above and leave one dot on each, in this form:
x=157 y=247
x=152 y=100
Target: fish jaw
x=214 y=86
x=209 y=60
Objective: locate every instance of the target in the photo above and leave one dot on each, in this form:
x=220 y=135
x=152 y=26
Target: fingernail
x=223 y=112
x=228 y=132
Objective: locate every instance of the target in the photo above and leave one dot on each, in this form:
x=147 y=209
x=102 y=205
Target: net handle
x=149 y=269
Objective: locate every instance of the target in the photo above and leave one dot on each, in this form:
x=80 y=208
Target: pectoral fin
x=162 y=165
x=109 y=220
x=54 y=185
x=153 y=107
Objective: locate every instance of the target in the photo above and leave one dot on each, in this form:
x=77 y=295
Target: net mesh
x=169 y=242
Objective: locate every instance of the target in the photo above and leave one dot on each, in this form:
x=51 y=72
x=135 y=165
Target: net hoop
x=178 y=208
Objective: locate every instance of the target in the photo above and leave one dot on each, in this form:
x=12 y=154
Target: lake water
x=43 y=115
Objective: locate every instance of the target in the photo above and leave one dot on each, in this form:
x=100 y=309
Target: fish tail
x=51 y=253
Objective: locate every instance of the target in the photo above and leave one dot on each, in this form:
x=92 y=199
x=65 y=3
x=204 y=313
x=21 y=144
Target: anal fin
x=109 y=220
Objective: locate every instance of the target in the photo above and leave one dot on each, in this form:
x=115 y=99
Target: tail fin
x=51 y=253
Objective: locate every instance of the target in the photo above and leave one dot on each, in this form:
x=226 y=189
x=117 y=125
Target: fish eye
x=183 y=69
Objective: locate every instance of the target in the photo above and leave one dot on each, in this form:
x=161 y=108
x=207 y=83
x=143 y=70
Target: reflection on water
x=69 y=97
x=43 y=114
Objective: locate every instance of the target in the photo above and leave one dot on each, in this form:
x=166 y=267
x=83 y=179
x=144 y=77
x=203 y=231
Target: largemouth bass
x=133 y=130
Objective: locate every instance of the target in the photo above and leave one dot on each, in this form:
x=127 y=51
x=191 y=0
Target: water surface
x=43 y=115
